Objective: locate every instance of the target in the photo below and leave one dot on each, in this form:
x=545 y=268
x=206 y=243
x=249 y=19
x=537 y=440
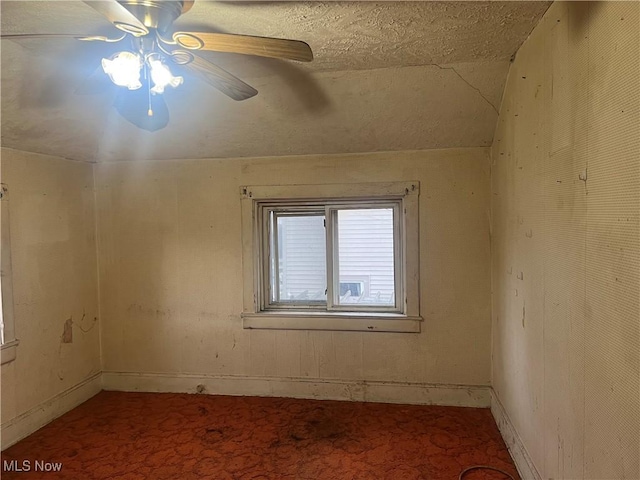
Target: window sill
x=8 y=351
x=354 y=322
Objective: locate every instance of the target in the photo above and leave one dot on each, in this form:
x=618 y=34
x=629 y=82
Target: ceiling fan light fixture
x=154 y=44
x=162 y=76
x=124 y=69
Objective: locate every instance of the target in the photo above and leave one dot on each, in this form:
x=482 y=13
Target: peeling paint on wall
x=67 y=332
x=54 y=280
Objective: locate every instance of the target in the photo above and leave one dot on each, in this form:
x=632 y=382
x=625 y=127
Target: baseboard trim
x=522 y=459
x=14 y=430
x=296 y=387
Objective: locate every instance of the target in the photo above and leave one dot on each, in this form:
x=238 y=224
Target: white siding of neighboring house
x=302 y=258
x=365 y=245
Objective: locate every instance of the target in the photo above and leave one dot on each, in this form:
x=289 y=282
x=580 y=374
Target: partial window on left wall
x=7 y=332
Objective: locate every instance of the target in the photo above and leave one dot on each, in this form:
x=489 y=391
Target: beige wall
x=170 y=271
x=566 y=251
x=52 y=223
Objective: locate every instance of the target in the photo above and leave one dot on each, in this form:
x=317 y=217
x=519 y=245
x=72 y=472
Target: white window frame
x=329 y=210
x=259 y=313
x=8 y=342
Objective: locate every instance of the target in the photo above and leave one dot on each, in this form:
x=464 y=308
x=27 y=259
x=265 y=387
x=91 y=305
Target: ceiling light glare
x=124 y=69
x=162 y=76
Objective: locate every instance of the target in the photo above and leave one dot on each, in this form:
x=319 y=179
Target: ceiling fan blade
x=119 y=16
x=245 y=44
x=87 y=38
x=220 y=79
x=134 y=106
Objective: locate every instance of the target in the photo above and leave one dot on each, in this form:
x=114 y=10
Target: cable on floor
x=483 y=467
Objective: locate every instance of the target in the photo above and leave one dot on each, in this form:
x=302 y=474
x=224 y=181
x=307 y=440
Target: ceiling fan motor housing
x=156 y=14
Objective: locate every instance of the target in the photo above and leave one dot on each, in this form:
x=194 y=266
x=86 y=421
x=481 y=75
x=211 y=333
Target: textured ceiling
x=386 y=76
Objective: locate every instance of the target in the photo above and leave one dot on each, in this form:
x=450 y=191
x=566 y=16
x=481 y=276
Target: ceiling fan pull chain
x=146 y=71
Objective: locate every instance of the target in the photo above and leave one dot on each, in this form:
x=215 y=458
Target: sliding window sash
x=270 y=295
x=333 y=269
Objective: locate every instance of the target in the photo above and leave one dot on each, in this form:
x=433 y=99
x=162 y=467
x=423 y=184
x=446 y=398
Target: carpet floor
x=136 y=436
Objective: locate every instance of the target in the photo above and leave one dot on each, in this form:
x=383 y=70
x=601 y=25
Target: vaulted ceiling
x=386 y=76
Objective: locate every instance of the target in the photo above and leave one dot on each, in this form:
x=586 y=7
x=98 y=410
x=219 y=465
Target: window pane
x=366 y=257
x=301 y=274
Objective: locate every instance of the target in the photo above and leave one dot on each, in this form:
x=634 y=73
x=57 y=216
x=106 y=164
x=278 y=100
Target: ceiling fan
x=151 y=47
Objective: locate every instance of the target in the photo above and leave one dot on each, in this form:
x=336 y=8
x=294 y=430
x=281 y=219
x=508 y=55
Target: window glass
x=365 y=260
x=298 y=260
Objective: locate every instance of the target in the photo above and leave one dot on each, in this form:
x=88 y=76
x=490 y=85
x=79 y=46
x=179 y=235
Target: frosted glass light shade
x=162 y=76
x=124 y=69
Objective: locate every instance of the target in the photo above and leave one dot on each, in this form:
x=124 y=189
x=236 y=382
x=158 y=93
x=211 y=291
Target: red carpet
x=178 y=436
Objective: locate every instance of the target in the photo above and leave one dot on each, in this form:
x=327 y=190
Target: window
x=8 y=342
x=331 y=257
